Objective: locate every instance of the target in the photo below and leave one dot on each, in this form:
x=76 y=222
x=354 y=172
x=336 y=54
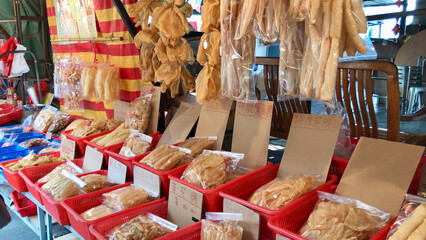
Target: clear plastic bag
x=61 y=187
x=78 y=123
x=221 y=226
x=167 y=157
x=139 y=113
x=126 y=197
x=198 y=144
x=88 y=75
x=411 y=220
x=371 y=53
x=73 y=98
x=136 y=144
x=44 y=119
x=60 y=121
x=27 y=125
x=337 y=217
x=237 y=56
x=70 y=72
x=97 y=212
x=107 y=82
x=51 y=147
x=10 y=140
x=211 y=169
x=35 y=142
x=280 y=192
x=69 y=166
x=147 y=227
x=119 y=135
x=33 y=160
x=95 y=182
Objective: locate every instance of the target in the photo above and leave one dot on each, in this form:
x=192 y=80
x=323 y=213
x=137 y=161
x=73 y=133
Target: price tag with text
x=116 y=171
x=67 y=147
x=251 y=219
x=147 y=180
x=92 y=159
x=185 y=204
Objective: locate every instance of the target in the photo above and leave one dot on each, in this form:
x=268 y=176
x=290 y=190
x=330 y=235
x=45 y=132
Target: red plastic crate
x=32 y=174
x=213 y=202
x=23 y=205
x=338 y=166
x=114 y=150
x=241 y=196
x=5 y=108
x=74 y=206
x=10 y=115
x=289 y=222
x=54 y=208
x=81 y=145
x=14 y=179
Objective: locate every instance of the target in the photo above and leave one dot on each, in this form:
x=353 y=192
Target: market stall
x=104 y=164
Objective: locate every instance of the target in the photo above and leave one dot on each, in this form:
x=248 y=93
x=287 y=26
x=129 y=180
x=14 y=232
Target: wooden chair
x=354 y=92
x=283 y=110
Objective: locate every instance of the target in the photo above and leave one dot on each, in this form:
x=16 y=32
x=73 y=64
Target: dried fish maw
x=210 y=15
x=187 y=78
x=172 y=23
x=168 y=72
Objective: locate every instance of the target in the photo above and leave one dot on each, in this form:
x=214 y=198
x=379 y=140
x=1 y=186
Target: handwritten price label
x=185 y=204
x=92 y=159
x=315 y=122
x=116 y=171
x=147 y=180
x=222 y=105
x=251 y=219
x=255 y=110
x=67 y=147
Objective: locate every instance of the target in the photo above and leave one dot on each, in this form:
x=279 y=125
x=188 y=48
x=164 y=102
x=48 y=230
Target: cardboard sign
x=92 y=159
x=252 y=127
x=120 y=110
x=181 y=124
x=147 y=180
x=279 y=237
x=310 y=145
x=116 y=171
x=250 y=222
x=213 y=119
x=379 y=173
x=67 y=147
x=155 y=106
x=185 y=204
x=49 y=135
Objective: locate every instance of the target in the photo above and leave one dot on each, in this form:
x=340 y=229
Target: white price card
x=279 y=237
x=92 y=159
x=48 y=135
x=67 y=147
x=147 y=180
x=185 y=204
x=116 y=171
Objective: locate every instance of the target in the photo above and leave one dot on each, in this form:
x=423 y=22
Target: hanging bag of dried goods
x=338 y=217
x=44 y=119
x=136 y=144
x=211 y=169
x=237 y=54
x=88 y=75
x=411 y=221
x=139 y=113
x=221 y=226
x=107 y=82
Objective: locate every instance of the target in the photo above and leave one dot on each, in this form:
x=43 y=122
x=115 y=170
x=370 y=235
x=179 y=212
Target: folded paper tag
x=252 y=128
x=379 y=173
x=181 y=124
x=213 y=120
x=250 y=222
x=92 y=159
x=116 y=171
x=155 y=106
x=67 y=147
x=185 y=204
x=147 y=180
x=310 y=145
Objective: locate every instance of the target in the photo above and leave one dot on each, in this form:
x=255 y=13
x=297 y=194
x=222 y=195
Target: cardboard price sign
x=67 y=147
x=155 y=106
x=379 y=173
x=185 y=204
x=251 y=219
x=310 y=145
x=181 y=124
x=252 y=127
x=92 y=159
x=147 y=180
x=213 y=119
x=120 y=110
x=116 y=171
x=49 y=135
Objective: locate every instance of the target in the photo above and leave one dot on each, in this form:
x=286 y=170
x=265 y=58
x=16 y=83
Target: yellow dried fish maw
x=210 y=15
x=172 y=23
x=187 y=78
x=161 y=51
x=186 y=9
x=88 y=76
x=168 y=72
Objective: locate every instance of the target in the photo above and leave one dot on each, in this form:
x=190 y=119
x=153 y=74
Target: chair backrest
x=283 y=110
x=354 y=92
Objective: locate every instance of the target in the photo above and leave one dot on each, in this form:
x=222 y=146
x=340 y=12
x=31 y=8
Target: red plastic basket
x=32 y=174
x=81 y=141
x=54 y=208
x=5 y=108
x=289 y=222
x=213 y=202
x=76 y=205
x=23 y=205
x=240 y=195
x=14 y=179
x=10 y=115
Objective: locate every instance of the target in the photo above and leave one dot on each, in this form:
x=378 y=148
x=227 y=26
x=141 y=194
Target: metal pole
x=126 y=18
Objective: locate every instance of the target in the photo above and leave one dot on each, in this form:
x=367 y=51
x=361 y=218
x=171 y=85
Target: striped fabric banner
x=121 y=53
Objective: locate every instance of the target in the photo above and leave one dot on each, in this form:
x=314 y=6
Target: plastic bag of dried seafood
x=136 y=144
x=221 y=226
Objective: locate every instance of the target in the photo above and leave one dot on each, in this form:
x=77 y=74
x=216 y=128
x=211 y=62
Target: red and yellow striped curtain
x=121 y=53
